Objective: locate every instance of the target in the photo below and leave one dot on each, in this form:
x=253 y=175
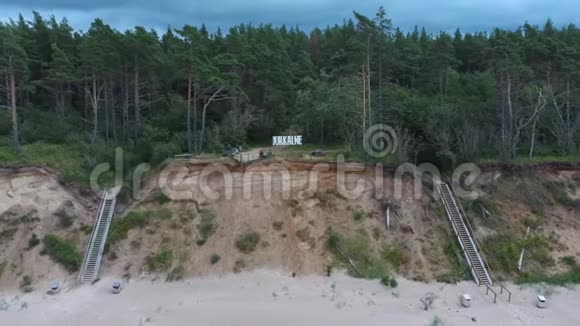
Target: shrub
x=176 y=274
x=26 y=281
x=358 y=249
x=162 y=151
x=558 y=191
x=215 y=258
x=562 y=279
x=474 y=207
x=389 y=281
x=239 y=265
x=160 y=198
x=160 y=261
x=247 y=242
x=207 y=226
x=8 y=234
x=65 y=221
x=358 y=215
x=459 y=268
x=65 y=158
x=569 y=261
x=86 y=229
x=395 y=256
x=43 y=125
x=502 y=252
x=113 y=255
x=26 y=284
x=5 y=122
x=120 y=227
x=163 y=214
x=436 y=321
x=538 y=251
x=531 y=193
x=367 y=261
x=136 y=219
x=7 y=155
x=326 y=198
x=63 y=252
x=33 y=241
x=531 y=221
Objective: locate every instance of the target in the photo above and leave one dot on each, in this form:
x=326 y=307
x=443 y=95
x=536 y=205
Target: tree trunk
x=86 y=102
x=364 y=109
x=369 y=79
x=322 y=132
x=206 y=103
x=59 y=98
x=126 y=110
x=510 y=145
x=107 y=122
x=195 y=98
x=569 y=124
x=113 y=111
x=15 y=134
x=533 y=142
x=95 y=104
x=381 y=104
x=201 y=136
x=441 y=87
x=137 y=108
x=189 y=144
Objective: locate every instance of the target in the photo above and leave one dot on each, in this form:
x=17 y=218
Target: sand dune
x=272 y=298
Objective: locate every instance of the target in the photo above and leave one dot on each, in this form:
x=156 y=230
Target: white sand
x=271 y=298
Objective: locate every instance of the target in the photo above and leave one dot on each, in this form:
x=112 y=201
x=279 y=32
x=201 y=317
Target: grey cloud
x=469 y=15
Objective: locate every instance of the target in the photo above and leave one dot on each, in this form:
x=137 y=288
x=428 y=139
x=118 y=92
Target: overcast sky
x=469 y=15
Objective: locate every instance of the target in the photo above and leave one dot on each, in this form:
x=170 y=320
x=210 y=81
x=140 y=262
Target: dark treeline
x=464 y=96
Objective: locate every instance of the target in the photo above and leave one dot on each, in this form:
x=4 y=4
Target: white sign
x=286 y=140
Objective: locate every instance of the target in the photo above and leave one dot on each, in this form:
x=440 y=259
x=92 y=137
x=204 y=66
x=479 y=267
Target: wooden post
x=521 y=261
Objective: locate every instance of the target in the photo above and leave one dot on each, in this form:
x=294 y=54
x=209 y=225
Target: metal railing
x=488 y=289
x=507 y=291
x=502 y=288
x=472 y=235
x=92 y=236
x=469 y=234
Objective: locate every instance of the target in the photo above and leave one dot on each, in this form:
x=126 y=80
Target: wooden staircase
x=94 y=252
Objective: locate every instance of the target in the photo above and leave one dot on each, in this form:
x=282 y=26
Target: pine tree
x=14 y=73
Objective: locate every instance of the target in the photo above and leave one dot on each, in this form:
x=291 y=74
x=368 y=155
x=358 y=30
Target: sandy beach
x=272 y=298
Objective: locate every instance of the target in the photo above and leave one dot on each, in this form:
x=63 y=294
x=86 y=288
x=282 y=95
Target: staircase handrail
x=106 y=231
x=471 y=232
x=92 y=236
x=488 y=288
x=471 y=268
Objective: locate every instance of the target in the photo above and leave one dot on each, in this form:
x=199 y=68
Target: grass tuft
x=215 y=258
x=247 y=242
x=358 y=249
x=136 y=219
x=161 y=261
x=63 y=252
